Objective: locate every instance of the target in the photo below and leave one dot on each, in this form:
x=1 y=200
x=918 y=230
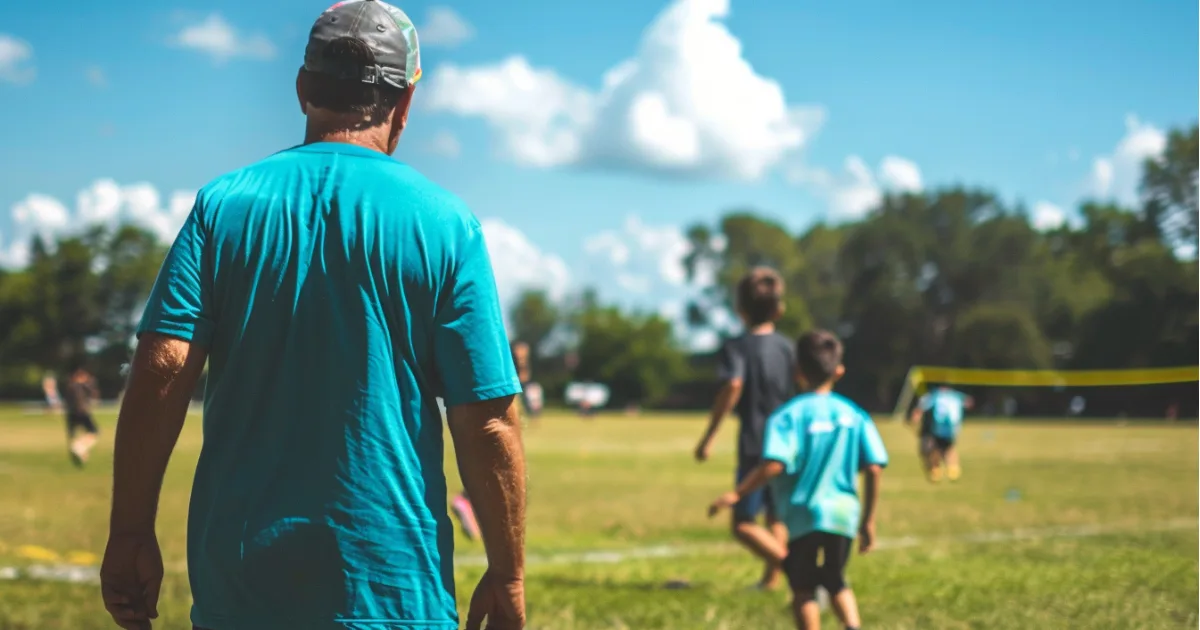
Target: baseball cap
x=385 y=30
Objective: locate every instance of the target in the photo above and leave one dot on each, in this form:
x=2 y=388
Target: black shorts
x=818 y=559
x=81 y=420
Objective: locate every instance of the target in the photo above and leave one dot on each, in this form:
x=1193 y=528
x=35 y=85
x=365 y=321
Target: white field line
x=90 y=574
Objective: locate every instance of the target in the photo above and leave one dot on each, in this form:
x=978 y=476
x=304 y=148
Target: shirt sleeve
x=469 y=342
x=925 y=402
x=780 y=442
x=730 y=363
x=180 y=303
x=871 y=449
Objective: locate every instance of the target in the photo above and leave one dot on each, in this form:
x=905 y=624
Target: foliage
x=79 y=296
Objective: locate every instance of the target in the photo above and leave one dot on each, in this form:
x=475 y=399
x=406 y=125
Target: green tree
x=1169 y=184
x=634 y=354
x=534 y=318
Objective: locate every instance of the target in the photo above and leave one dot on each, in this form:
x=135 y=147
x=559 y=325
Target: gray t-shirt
x=766 y=366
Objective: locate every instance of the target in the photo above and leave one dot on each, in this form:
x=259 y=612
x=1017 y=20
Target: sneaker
x=953 y=473
x=935 y=475
x=466 y=516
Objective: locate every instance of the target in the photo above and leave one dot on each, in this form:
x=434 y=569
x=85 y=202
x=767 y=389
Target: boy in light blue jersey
x=815 y=447
x=941 y=414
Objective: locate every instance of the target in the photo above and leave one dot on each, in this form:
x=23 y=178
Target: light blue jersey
x=945 y=407
x=339 y=293
x=823 y=441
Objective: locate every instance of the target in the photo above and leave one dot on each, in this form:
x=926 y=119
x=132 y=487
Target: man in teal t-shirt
x=336 y=294
x=815 y=447
x=940 y=413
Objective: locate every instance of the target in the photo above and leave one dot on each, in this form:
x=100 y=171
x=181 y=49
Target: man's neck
x=374 y=138
x=763 y=329
x=827 y=388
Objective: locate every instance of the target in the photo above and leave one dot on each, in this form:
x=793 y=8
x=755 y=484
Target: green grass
x=622 y=483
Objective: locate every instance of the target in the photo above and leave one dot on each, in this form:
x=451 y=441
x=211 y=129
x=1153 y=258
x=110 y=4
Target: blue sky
x=804 y=110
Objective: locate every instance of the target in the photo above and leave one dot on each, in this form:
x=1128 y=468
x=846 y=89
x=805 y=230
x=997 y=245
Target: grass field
x=1053 y=526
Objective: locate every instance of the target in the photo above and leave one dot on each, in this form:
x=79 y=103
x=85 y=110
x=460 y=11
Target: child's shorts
x=818 y=559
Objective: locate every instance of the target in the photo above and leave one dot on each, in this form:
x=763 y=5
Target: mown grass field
x=1054 y=525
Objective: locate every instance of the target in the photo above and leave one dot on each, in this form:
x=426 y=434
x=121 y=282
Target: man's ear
x=839 y=372
x=300 y=92
x=400 y=118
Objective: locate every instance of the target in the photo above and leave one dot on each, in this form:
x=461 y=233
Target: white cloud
x=1047 y=216
x=444 y=27
x=856 y=190
x=687 y=103
x=96 y=76
x=1116 y=175
x=445 y=144
x=104 y=202
x=521 y=265
x=900 y=174
x=218 y=39
x=643 y=253
x=16 y=60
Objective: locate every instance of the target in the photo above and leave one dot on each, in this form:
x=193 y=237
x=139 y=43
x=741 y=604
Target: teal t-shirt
x=338 y=293
x=823 y=441
x=945 y=407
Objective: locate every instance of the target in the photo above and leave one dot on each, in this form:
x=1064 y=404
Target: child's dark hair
x=760 y=295
x=818 y=353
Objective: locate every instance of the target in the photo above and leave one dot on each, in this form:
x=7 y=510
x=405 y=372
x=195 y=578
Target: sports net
x=920 y=376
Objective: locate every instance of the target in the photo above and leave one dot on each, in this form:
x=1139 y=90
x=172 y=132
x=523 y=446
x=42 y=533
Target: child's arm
x=727 y=399
x=757 y=478
x=866 y=531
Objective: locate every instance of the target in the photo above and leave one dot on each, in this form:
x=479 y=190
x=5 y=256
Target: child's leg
x=803 y=575
x=934 y=467
x=773 y=570
x=758 y=539
x=806 y=610
x=953 y=470
x=832 y=577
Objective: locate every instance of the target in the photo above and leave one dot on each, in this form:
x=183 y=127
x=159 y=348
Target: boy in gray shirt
x=756 y=371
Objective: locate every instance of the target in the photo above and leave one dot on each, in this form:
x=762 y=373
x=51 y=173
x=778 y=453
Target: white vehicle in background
x=586 y=396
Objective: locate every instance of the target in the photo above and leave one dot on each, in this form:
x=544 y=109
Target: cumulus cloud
x=520 y=265
x=218 y=39
x=857 y=189
x=687 y=104
x=444 y=27
x=1047 y=216
x=445 y=144
x=644 y=256
x=16 y=60
x=104 y=202
x=1116 y=175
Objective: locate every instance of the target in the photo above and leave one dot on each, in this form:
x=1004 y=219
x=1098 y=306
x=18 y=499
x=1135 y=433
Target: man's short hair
x=760 y=295
x=373 y=101
x=818 y=355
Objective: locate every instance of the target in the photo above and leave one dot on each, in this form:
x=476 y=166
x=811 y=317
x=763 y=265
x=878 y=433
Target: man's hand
x=130 y=579
x=704 y=449
x=501 y=601
x=723 y=502
x=866 y=537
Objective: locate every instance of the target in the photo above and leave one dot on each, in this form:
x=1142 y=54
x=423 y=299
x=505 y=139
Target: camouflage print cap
x=385 y=30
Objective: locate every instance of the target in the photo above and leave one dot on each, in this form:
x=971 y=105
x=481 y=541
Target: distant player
x=940 y=413
x=816 y=446
x=50 y=391
x=756 y=371
x=79 y=395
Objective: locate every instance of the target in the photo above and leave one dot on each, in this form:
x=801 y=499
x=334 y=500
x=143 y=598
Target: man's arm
x=162 y=378
x=491 y=462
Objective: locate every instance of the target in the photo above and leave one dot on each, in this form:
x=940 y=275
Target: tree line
x=954 y=277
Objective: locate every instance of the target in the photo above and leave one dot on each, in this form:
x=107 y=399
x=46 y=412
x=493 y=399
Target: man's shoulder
x=380 y=177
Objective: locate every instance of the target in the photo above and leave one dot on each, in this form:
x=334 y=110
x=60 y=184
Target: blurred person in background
x=757 y=375
x=50 y=392
x=336 y=294
x=80 y=394
x=940 y=414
